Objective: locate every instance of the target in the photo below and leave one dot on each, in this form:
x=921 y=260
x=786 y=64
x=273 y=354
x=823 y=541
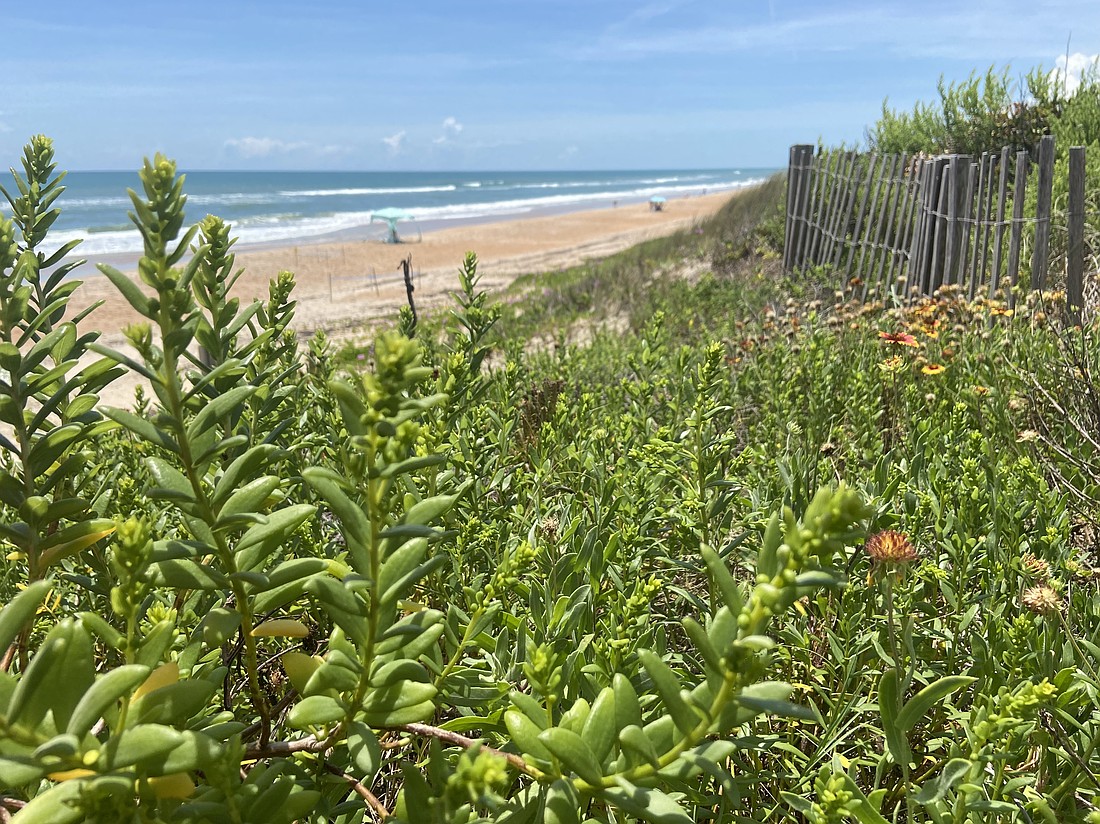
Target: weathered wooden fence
x=908 y=225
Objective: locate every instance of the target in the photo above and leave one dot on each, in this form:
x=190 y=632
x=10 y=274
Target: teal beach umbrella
x=391 y=216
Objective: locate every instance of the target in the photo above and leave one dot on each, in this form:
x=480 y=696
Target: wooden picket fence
x=907 y=225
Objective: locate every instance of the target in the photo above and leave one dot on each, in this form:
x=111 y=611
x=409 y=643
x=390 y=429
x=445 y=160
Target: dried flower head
x=1035 y=567
x=890 y=548
x=1042 y=599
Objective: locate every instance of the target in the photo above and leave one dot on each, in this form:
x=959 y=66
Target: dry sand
x=342 y=287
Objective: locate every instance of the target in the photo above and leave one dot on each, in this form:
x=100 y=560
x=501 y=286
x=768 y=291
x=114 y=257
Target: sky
x=495 y=84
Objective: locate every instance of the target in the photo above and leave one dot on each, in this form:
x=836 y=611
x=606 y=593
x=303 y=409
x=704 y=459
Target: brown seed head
x=1042 y=599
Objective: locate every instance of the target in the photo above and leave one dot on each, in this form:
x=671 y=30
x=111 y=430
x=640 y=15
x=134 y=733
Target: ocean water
x=303 y=207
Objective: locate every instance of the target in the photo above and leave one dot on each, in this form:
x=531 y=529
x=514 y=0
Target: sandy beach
x=343 y=286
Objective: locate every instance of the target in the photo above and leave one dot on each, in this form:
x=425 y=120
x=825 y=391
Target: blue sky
x=493 y=84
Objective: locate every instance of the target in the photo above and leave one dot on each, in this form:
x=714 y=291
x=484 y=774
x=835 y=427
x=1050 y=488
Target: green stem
x=171 y=382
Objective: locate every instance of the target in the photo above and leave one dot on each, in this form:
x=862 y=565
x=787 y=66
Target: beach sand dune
x=342 y=287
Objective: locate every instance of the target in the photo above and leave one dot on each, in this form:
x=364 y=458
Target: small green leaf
x=364 y=750
x=668 y=687
x=169 y=483
x=723 y=580
x=952 y=772
x=244 y=466
x=104 y=694
x=633 y=739
x=918 y=706
x=316 y=711
x=96 y=625
x=137 y=744
x=574 y=754
x=771 y=697
x=896 y=741
x=646 y=803
x=295 y=569
x=329 y=677
x=73 y=539
x=142 y=428
x=217 y=408
x=155 y=643
x=186 y=574
x=130 y=290
x=174 y=703
x=396 y=697
x=263 y=539
x=429 y=510
x=400 y=562
x=599 y=728
x=412 y=714
x=249 y=499
x=561 y=803
x=20 y=610
x=353 y=522
x=525 y=735
x=219 y=625
x=627 y=708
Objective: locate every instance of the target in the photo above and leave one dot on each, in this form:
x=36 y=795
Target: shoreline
x=343 y=286
x=413 y=231
x=340 y=282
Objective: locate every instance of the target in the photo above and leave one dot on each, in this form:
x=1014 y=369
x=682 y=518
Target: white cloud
x=394 y=141
x=262 y=146
x=451 y=129
x=1071 y=70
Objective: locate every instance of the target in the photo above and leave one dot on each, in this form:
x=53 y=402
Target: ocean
x=304 y=207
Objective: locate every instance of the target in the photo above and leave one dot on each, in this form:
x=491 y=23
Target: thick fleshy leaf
x=646 y=803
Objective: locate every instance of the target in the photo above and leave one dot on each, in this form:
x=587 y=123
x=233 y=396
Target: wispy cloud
x=252 y=147
x=974 y=32
x=395 y=141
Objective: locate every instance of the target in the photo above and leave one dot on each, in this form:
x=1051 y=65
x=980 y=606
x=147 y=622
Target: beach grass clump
x=772 y=556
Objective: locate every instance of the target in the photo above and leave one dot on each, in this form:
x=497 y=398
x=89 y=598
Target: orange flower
x=891 y=548
x=933 y=369
x=900 y=338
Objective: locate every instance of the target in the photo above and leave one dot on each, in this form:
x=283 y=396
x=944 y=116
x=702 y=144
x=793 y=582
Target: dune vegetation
x=670 y=537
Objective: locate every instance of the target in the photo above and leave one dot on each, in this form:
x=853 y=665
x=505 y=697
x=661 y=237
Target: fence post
x=985 y=213
x=856 y=173
x=889 y=244
x=1019 y=192
x=999 y=234
x=929 y=244
x=914 y=175
x=797 y=198
x=1042 y=213
x=836 y=206
x=955 y=254
x=857 y=234
x=1075 y=254
x=813 y=207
